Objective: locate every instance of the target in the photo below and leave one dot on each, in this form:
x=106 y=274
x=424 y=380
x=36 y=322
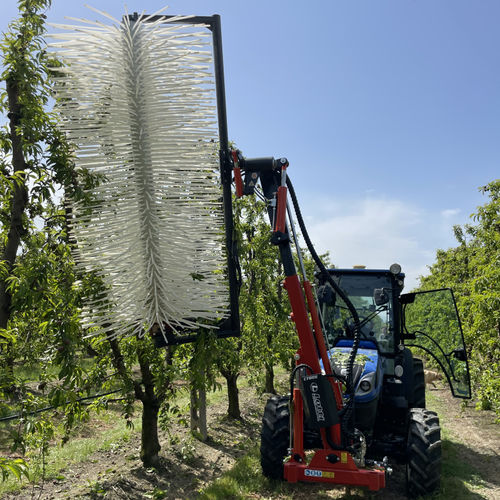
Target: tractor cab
x=374 y=294
x=390 y=322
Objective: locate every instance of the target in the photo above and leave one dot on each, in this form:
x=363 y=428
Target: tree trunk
x=198 y=412
x=18 y=205
x=269 y=387
x=202 y=410
x=193 y=409
x=150 y=444
x=233 y=409
x=269 y=384
x=151 y=401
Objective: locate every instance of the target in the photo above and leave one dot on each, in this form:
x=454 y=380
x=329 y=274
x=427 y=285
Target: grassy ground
x=470 y=444
x=103 y=462
x=111 y=432
x=105 y=437
x=464 y=473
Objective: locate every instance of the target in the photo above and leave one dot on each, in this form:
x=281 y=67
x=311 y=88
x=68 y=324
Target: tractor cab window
x=431 y=323
x=376 y=319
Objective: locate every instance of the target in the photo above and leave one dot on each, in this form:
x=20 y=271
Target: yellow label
x=343 y=457
x=328 y=474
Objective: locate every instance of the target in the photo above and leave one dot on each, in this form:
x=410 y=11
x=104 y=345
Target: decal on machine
x=319 y=473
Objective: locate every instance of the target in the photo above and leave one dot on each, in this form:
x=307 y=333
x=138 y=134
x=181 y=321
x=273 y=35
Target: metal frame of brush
x=230 y=327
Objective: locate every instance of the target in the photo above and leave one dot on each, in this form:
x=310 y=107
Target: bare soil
x=473 y=438
x=188 y=464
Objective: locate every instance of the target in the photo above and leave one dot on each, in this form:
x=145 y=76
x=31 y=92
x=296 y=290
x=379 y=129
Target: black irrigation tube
x=47 y=408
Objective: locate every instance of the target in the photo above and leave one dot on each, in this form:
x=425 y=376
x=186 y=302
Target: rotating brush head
x=137 y=99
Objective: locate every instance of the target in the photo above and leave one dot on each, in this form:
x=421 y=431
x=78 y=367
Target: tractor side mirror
x=380 y=296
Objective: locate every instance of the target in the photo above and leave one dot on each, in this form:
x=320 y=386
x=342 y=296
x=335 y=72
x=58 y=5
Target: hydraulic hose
x=348 y=410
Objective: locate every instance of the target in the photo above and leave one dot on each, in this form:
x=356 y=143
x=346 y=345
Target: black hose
x=47 y=408
x=292 y=376
x=349 y=409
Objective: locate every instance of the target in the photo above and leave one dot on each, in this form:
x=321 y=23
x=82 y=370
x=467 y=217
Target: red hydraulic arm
x=238 y=181
x=331 y=463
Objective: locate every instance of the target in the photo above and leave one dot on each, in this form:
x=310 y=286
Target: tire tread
x=423 y=469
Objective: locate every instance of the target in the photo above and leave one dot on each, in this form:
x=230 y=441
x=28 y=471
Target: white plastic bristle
x=138 y=101
x=102 y=13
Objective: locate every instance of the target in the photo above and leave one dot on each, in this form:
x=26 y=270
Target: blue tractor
x=390 y=418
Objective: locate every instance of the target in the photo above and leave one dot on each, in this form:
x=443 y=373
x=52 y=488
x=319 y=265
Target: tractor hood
x=367 y=369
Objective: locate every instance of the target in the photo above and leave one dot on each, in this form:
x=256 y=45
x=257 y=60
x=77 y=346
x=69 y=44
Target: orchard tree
x=198 y=363
x=268 y=336
x=230 y=363
x=472 y=270
x=40 y=293
x=152 y=384
x=34 y=162
x=261 y=305
x=23 y=157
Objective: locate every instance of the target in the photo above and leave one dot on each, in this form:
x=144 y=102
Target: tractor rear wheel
x=275 y=436
x=418 y=384
x=423 y=468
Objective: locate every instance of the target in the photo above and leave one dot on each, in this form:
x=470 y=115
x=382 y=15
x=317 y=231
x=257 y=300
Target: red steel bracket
x=344 y=471
x=238 y=181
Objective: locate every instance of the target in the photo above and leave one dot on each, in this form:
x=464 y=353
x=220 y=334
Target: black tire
x=275 y=436
x=418 y=384
x=423 y=468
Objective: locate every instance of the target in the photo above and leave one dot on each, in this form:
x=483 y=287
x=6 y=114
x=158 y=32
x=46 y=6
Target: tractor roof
x=364 y=271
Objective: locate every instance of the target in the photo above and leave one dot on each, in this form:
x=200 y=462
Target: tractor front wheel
x=423 y=468
x=275 y=436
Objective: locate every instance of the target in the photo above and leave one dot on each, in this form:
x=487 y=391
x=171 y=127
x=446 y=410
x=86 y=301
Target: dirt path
x=471 y=444
x=472 y=439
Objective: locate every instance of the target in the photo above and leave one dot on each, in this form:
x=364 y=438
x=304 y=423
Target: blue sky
x=388 y=111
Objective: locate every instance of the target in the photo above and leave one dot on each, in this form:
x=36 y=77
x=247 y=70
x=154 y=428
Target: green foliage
x=156 y=494
x=39 y=294
x=472 y=269
x=16 y=467
x=268 y=336
x=197 y=361
x=46 y=153
x=96 y=489
x=185 y=450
